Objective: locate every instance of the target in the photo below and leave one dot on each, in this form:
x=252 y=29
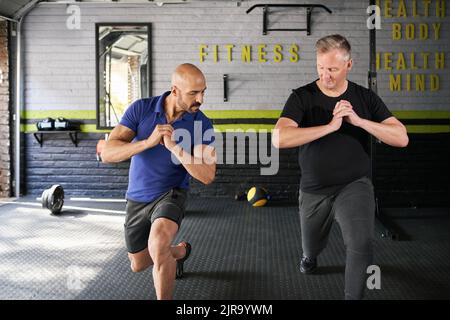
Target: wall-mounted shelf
x=39 y=135
x=309 y=10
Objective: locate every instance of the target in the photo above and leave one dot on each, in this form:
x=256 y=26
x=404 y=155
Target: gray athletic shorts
x=140 y=216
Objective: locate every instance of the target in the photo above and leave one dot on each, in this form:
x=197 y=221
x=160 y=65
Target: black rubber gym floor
x=239 y=252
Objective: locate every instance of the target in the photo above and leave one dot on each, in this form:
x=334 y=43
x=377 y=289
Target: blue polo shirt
x=154 y=171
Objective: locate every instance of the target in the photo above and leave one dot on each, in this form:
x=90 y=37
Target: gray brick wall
x=60 y=75
x=52 y=83
x=416 y=176
x=52 y=50
x=58 y=161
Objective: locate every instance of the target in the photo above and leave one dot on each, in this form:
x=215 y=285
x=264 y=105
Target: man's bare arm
x=390 y=131
x=287 y=134
x=201 y=166
x=119 y=148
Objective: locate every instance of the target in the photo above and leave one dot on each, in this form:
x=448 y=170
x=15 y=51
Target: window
x=122 y=69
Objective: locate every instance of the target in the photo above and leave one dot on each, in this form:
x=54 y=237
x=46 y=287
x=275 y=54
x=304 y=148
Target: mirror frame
x=97 y=74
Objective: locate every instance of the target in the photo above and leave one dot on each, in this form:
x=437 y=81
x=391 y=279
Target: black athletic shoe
x=308 y=265
x=180 y=262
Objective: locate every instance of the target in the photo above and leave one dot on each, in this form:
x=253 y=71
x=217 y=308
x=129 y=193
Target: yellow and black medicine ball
x=257 y=197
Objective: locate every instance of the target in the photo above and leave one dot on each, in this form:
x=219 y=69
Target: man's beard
x=193 y=108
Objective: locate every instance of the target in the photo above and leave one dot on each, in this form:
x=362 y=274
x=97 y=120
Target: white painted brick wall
x=60 y=63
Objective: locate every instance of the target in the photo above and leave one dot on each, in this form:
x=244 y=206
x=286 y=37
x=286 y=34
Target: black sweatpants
x=353 y=207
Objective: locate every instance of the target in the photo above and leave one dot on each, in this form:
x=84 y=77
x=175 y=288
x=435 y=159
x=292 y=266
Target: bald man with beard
x=160 y=170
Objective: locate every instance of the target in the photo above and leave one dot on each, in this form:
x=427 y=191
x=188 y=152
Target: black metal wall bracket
x=39 y=136
x=309 y=10
x=225 y=87
x=372 y=76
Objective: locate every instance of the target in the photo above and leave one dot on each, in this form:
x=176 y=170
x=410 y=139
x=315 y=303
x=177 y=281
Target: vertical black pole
x=265 y=8
x=308 y=20
x=225 y=87
x=372 y=83
x=387 y=228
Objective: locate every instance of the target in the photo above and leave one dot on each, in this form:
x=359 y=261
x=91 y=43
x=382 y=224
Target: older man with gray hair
x=331 y=120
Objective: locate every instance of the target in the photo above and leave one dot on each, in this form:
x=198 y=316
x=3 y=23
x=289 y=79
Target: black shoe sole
x=180 y=262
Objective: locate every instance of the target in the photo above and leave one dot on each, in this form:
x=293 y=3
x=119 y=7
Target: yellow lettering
x=277 y=55
x=401 y=12
x=440 y=8
x=439 y=60
x=402 y=9
x=434 y=82
x=425 y=56
x=401 y=65
x=409 y=31
x=426 y=4
x=437 y=29
x=262 y=53
x=396 y=31
x=246 y=53
x=377 y=61
x=395 y=83
x=420 y=82
x=387 y=60
x=293 y=50
x=229 y=51
x=412 y=58
x=423 y=31
x=265 y=52
x=216 y=53
x=414 y=7
x=202 y=52
x=387 y=8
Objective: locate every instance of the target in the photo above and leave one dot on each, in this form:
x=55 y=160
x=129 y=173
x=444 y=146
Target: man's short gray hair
x=334 y=41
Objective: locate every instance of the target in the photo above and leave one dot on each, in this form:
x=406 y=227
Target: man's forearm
x=391 y=134
x=289 y=137
x=196 y=167
x=118 y=151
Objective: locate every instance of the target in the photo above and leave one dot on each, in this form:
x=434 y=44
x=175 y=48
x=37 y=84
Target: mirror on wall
x=122 y=69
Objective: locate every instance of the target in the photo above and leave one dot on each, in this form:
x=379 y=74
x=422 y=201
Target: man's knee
x=136 y=267
x=140 y=261
x=161 y=236
x=361 y=244
x=159 y=251
x=358 y=235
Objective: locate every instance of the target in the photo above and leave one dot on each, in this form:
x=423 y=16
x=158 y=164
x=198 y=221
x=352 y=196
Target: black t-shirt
x=331 y=162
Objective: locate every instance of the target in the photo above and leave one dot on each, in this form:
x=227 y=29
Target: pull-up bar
x=309 y=9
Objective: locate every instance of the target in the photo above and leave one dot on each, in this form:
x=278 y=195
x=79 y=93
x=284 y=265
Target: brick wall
x=416 y=176
x=404 y=176
x=5 y=186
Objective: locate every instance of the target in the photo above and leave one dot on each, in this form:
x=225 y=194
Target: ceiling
x=15 y=9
